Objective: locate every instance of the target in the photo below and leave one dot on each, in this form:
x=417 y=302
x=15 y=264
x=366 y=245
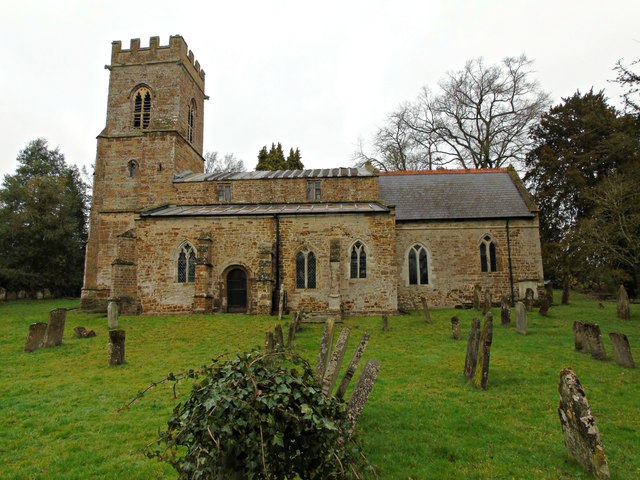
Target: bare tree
x=630 y=79
x=228 y=163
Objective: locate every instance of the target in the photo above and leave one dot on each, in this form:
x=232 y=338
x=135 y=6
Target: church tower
x=154 y=130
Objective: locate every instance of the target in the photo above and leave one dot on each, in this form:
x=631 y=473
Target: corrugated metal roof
x=189 y=176
x=264 y=209
x=451 y=195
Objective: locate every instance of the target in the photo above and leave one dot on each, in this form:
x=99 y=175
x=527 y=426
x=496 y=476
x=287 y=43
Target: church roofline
x=266 y=209
x=341 y=172
x=459 y=171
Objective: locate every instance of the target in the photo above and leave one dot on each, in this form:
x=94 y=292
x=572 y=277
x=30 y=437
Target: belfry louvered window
x=142 y=108
x=488 y=261
x=305 y=269
x=358 y=260
x=186 y=264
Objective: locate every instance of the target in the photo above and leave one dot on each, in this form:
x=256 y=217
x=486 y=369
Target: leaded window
x=358 y=260
x=186 y=264
x=305 y=269
x=488 y=255
x=418 y=265
x=224 y=192
x=142 y=108
x=314 y=191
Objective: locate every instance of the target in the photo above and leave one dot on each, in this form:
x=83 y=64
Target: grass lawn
x=423 y=421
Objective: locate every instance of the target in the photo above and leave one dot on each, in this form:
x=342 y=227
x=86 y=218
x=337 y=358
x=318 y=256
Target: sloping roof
x=453 y=194
x=189 y=176
x=264 y=209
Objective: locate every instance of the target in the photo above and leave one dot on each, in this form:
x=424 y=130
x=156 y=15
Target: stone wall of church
x=454 y=260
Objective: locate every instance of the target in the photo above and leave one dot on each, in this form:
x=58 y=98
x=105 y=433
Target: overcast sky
x=314 y=75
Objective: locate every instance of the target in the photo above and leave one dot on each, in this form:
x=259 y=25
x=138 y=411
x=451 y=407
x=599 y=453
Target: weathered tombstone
x=82 y=332
x=522 y=326
x=39 y=295
x=3 y=294
x=269 y=342
x=353 y=364
x=486 y=306
x=35 y=337
x=505 y=311
x=112 y=314
x=47 y=293
x=55 y=328
x=476 y=296
x=481 y=375
x=545 y=304
x=593 y=339
x=22 y=294
x=565 y=291
x=292 y=334
x=116 y=347
x=361 y=393
x=528 y=299
x=581 y=434
x=579 y=340
x=325 y=349
x=280 y=303
x=279 y=337
x=455 y=328
x=471 y=359
x=622 y=350
x=623 y=304
x=335 y=363
x=548 y=289
x=427 y=313
x=385 y=322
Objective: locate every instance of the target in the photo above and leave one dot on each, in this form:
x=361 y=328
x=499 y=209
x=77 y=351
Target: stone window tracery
x=142 y=108
x=186 y=264
x=488 y=261
x=358 y=260
x=305 y=269
x=418 y=262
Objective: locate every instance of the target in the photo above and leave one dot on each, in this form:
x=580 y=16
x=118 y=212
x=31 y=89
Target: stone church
x=165 y=237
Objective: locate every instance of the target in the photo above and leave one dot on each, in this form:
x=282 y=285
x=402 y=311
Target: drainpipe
x=510 y=264
x=277 y=219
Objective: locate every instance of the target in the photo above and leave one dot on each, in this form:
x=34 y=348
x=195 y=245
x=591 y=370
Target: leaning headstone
x=471 y=359
x=593 y=339
x=291 y=335
x=361 y=392
x=581 y=434
x=279 y=337
x=325 y=349
x=623 y=304
x=455 y=328
x=116 y=347
x=545 y=304
x=35 y=337
x=112 y=314
x=427 y=313
x=486 y=306
x=335 y=363
x=476 y=296
x=353 y=364
x=505 y=311
x=55 y=328
x=385 y=322
x=269 y=342
x=579 y=340
x=622 y=350
x=528 y=299
x=522 y=326
x=481 y=375
x=82 y=332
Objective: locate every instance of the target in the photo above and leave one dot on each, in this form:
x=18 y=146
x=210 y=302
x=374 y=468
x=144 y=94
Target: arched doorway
x=237 y=290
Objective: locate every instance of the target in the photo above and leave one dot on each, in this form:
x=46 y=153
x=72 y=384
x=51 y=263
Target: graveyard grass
x=423 y=419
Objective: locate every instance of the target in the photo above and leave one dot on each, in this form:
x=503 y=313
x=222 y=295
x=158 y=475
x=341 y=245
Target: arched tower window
x=132 y=168
x=305 y=269
x=418 y=265
x=191 y=119
x=488 y=255
x=358 y=260
x=142 y=108
x=186 y=263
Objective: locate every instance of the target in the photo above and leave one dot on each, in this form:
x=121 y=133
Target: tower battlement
x=177 y=51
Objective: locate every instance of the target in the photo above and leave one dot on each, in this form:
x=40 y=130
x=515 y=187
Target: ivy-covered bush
x=260 y=416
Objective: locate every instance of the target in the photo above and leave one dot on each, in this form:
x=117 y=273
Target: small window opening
x=314 y=190
x=224 y=192
x=142 y=109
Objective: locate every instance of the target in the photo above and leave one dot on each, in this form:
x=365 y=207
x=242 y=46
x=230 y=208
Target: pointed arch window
x=488 y=255
x=142 y=108
x=418 y=262
x=186 y=264
x=358 y=260
x=191 y=118
x=305 y=269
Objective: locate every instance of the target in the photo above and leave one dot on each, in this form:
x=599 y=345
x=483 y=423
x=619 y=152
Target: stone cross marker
x=481 y=375
x=486 y=306
x=505 y=311
x=55 y=328
x=471 y=360
x=455 y=328
x=476 y=296
x=353 y=364
x=593 y=339
x=581 y=434
x=528 y=299
x=521 y=319
x=112 y=314
x=622 y=310
x=361 y=393
x=116 y=347
x=335 y=363
x=622 y=350
x=35 y=337
x=325 y=349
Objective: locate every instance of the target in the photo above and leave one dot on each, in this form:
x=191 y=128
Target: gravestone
x=55 y=328
x=325 y=349
x=35 y=337
x=481 y=375
x=39 y=295
x=22 y=294
x=545 y=304
x=3 y=294
x=280 y=303
x=522 y=326
x=579 y=340
x=361 y=392
x=622 y=310
x=505 y=311
x=385 y=322
x=486 y=306
x=82 y=332
x=476 y=296
x=427 y=313
x=565 y=291
x=528 y=299
x=269 y=342
x=581 y=434
x=335 y=363
x=112 y=314
x=548 y=290
x=622 y=350
x=278 y=337
x=593 y=339
x=455 y=328
x=353 y=365
x=116 y=347
x=471 y=359
x=291 y=335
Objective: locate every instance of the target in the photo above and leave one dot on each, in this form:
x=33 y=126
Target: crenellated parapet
x=176 y=51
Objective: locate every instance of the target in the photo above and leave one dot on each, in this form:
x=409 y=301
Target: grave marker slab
x=427 y=313
x=594 y=341
x=353 y=365
x=505 y=311
x=622 y=309
x=362 y=391
x=325 y=349
x=112 y=314
x=35 y=337
x=455 y=328
x=622 y=350
x=55 y=328
x=528 y=299
x=522 y=326
x=481 y=376
x=116 y=347
x=579 y=340
x=476 y=296
x=471 y=359
x=335 y=363
x=486 y=306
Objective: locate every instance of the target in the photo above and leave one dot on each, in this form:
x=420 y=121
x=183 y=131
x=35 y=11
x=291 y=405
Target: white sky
x=314 y=75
